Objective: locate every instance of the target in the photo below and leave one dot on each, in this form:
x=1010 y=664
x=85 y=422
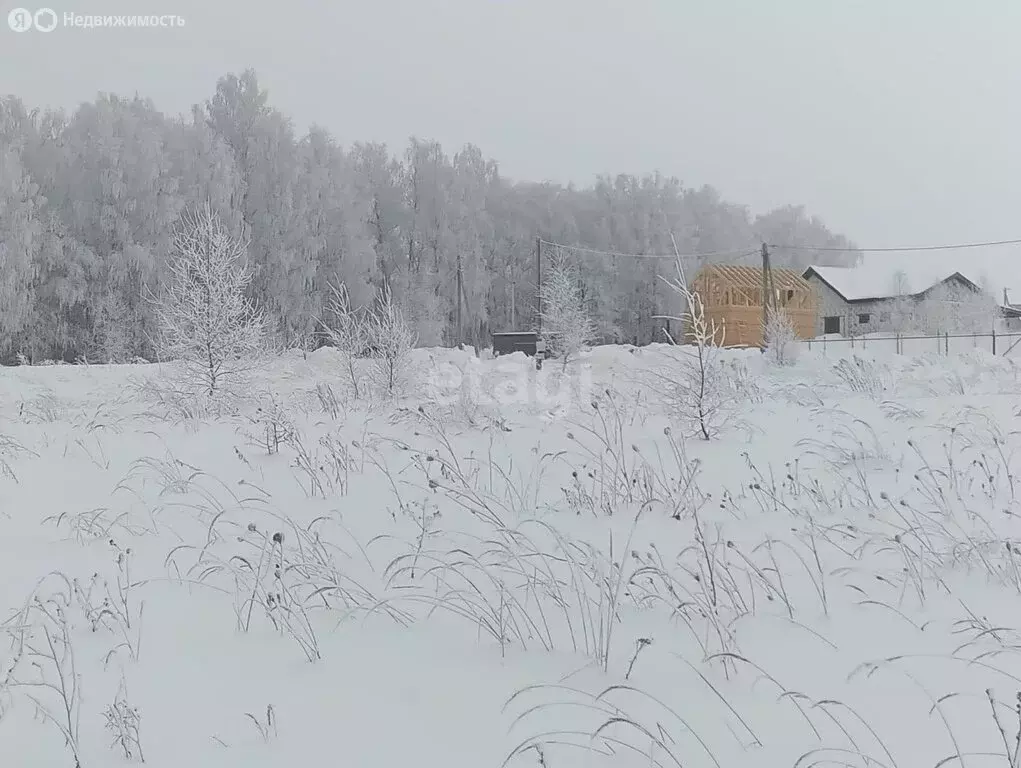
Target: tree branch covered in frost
x=567 y=327
x=204 y=319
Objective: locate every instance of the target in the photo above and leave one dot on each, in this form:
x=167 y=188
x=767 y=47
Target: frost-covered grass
x=541 y=568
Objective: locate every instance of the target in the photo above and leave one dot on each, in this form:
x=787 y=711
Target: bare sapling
x=205 y=321
x=347 y=331
x=391 y=342
x=781 y=338
x=701 y=393
x=567 y=327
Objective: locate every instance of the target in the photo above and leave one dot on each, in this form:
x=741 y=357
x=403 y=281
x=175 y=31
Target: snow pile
x=544 y=567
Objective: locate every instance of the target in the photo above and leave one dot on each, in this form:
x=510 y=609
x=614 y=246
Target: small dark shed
x=518 y=341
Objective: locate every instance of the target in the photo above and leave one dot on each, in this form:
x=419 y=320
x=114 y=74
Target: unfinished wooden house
x=732 y=297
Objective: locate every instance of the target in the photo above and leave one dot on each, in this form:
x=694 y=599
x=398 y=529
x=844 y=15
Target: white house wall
x=828 y=303
x=882 y=314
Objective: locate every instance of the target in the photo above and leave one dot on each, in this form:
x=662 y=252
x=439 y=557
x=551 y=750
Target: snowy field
x=537 y=569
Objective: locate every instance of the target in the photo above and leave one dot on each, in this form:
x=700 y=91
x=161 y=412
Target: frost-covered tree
x=334 y=242
x=902 y=306
x=20 y=240
x=121 y=201
x=204 y=167
x=899 y=283
x=453 y=239
x=391 y=340
x=205 y=321
x=473 y=242
x=567 y=327
x=511 y=264
x=425 y=286
x=791 y=225
x=781 y=338
x=697 y=390
x=266 y=153
x=283 y=273
x=954 y=308
x=347 y=330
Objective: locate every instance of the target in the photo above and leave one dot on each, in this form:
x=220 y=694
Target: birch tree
x=473 y=236
x=347 y=330
x=205 y=321
x=392 y=341
x=334 y=242
x=426 y=289
x=567 y=327
x=696 y=390
x=20 y=239
x=441 y=232
x=378 y=180
x=120 y=201
x=204 y=168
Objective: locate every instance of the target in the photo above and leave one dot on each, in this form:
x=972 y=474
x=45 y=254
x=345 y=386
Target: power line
x=745 y=256
x=744 y=252
x=904 y=249
x=704 y=254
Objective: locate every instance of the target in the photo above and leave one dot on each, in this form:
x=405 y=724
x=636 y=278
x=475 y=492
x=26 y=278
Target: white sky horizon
x=896 y=123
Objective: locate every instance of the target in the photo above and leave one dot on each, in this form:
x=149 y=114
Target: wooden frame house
x=732 y=299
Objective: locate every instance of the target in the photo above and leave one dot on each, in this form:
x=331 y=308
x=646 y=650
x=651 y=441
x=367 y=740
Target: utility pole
x=460 y=291
x=538 y=282
x=766 y=281
x=514 y=321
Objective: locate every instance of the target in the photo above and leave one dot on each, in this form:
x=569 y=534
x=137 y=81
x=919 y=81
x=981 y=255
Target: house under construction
x=732 y=297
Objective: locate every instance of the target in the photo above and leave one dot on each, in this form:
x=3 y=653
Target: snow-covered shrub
x=863 y=376
x=781 y=338
x=391 y=341
x=347 y=331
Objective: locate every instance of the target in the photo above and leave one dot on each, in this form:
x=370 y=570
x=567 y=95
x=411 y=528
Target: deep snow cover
x=540 y=568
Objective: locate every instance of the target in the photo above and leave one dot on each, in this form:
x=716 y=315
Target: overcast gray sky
x=897 y=121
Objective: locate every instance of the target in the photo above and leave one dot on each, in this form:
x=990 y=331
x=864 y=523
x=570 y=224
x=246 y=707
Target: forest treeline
x=89 y=201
